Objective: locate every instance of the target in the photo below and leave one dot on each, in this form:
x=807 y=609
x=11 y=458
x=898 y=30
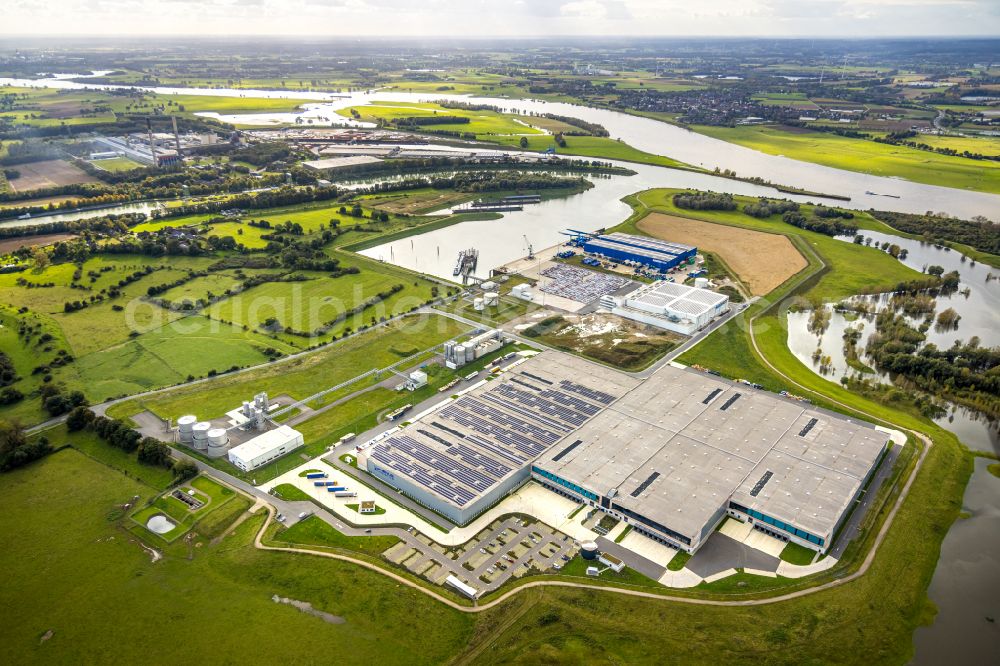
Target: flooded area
x=966 y=584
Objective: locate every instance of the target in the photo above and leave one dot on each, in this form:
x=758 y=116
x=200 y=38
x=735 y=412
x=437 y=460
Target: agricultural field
x=856 y=269
x=480 y=122
x=47 y=173
x=762 y=261
x=865 y=156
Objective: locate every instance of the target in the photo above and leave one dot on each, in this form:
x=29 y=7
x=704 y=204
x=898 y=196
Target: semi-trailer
x=316 y=475
x=345 y=493
x=335 y=489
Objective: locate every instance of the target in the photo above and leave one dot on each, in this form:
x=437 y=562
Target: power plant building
x=671 y=455
x=265 y=448
x=457 y=354
x=640 y=250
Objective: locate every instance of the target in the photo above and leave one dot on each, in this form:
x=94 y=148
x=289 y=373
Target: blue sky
x=466 y=18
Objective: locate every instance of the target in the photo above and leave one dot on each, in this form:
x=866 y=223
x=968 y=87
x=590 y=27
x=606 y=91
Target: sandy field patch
x=761 y=260
x=48 y=173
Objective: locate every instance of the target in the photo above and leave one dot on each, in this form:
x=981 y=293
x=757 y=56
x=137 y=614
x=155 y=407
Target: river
x=643 y=133
x=968 y=575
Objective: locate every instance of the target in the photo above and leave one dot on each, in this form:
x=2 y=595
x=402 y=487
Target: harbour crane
x=531 y=250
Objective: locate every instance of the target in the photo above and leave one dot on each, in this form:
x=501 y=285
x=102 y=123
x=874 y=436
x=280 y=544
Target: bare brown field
x=11 y=244
x=762 y=261
x=48 y=173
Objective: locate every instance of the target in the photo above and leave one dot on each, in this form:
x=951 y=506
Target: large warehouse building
x=675 y=307
x=643 y=250
x=464 y=458
x=671 y=455
x=265 y=447
x=684 y=449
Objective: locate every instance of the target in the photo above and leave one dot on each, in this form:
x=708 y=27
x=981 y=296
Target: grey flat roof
x=340 y=162
x=684 y=442
x=708 y=440
x=461 y=451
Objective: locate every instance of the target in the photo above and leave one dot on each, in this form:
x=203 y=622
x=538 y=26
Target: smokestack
x=177 y=137
x=152 y=146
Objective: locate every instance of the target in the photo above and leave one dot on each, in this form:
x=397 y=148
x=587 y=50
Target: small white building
x=418 y=379
x=266 y=447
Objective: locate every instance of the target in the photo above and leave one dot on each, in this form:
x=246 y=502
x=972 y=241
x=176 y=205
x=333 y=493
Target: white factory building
x=671 y=306
x=265 y=448
x=457 y=354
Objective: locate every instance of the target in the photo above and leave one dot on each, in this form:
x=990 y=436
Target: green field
x=314 y=532
x=73 y=570
x=878 y=159
x=116 y=164
x=304 y=375
x=480 y=122
x=592 y=146
x=309 y=304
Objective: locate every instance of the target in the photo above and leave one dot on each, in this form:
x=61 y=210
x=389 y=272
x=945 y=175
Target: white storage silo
x=200 y=435
x=478 y=304
x=184 y=426
x=218 y=438
x=492 y=298
x=460 y=354
x=701 y=283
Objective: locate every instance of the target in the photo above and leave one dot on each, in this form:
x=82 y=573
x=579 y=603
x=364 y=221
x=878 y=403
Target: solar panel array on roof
x=759 y=486
x=711 y=396
x=645 y=484
x=809 y=426
x=468 y=446
x=729 y=403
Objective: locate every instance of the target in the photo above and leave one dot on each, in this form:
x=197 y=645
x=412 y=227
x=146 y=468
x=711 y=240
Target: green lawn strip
x=621 y=537
x=290 y=493
x=356 y=508
x=678 y=561
x=793 y=553
x=314 y=532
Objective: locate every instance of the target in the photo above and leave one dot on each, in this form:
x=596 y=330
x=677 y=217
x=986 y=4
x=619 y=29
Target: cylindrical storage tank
x=460 y=353
x=701 y=283
x=217 y=441
x=470 y=354
x=589 y=550
x=477 y=303
x=492 y=298
x=200 y=435
x=184 y=425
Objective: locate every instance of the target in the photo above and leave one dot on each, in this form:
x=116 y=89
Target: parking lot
x=507 y=548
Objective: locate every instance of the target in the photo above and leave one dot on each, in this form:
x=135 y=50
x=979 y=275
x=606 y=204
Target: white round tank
x=477 y=304
x=200 y=435
x=184 y=425
x=492 y=298
x=701 y=283
x=217 y=441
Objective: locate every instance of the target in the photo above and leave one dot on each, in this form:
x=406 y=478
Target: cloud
x=503 y=18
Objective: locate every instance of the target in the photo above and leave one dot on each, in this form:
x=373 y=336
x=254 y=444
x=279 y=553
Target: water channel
x=968 y=574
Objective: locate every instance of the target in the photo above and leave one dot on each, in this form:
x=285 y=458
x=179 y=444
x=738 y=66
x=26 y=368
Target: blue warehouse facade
x=652 y=252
